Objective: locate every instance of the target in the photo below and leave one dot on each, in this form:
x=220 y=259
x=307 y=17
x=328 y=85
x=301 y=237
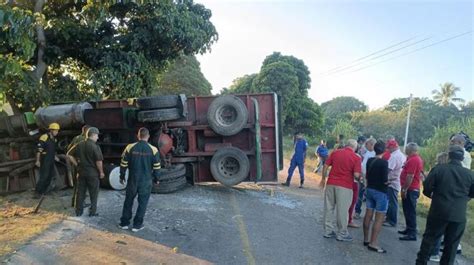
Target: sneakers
x=123 y=227
x=136 y=229
x=285 y=184
x=357 y=216
x=435 y=258
x=329 y=235
x=388 y=224
x=345 y=238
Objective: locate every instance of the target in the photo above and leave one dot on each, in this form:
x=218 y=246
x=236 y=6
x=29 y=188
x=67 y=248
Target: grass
x=18 y=223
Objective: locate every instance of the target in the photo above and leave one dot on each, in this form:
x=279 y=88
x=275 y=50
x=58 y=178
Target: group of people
x=141 y=159
x=378 y=172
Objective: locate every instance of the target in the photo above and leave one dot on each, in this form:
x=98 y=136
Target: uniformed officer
x=45 y=158
x=75 y=141
x=450 y=186
x=88 y=158
x=142 y=161
x=298 y=159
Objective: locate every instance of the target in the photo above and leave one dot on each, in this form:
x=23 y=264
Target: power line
x=407 y=53
x=379 y=56
x=364 y=57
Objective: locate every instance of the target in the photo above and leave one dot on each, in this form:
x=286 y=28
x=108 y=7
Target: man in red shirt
x=410 y=180
x=345 y=166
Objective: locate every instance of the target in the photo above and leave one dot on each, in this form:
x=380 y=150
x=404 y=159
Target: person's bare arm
x=38 y=163
x=73 y=160
x=99 y=165
x=407 y=185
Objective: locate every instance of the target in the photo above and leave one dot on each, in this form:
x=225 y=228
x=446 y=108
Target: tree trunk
x=40 y=64
x=13 y=105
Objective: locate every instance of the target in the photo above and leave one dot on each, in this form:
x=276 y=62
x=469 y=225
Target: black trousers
x=47 y=171
x=134 y=188
x=435 y=228
x=90 y=183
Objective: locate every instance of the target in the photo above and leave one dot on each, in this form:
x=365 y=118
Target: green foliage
x=302 y=71
x=183 y=76
x=98 y=49
x=306 y=117
x=345 y=128
x=446 y=95
x=341 y=107
x=241 y=85
x=380 y=123
x=439 y=142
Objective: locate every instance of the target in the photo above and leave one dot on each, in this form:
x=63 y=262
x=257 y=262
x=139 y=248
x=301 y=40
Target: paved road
x=203 y=224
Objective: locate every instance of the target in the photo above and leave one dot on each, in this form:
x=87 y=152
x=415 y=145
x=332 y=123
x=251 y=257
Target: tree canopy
x=68 y=50
x=446 y=95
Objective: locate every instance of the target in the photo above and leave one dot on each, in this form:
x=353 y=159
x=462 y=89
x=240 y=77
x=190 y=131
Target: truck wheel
x=158 y=102
x=170 y=186
x=159 y=115
x=171 y=173
x=227 y=115
x=230 y=166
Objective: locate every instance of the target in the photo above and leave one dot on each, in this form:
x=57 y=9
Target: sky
x=340 y=41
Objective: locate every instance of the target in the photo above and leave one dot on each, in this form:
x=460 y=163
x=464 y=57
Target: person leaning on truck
x=88 y=158
x=75 y=141
x=45 y=158
x=143 y=162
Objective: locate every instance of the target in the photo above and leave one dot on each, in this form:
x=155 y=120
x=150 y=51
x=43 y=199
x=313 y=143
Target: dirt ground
x=248 y=224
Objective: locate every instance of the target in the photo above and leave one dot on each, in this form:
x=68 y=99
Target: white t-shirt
x=368 y=154
x=466 y=162
x=395 y=165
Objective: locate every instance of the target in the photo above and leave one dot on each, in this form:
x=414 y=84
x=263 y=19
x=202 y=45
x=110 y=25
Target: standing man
x=298 y=159
x=410 y=180
x=369 y=153
x=75 y=141
x=143 y=162
x=322 y=152
x=345 y=167
x=459 y=140
x=395 y=165
x=88 y=158
x=450 y=186
x=45 y=158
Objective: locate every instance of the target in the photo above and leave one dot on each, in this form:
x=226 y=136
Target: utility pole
x=408 y=123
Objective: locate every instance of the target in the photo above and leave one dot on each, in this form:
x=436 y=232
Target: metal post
x=408 y=123
x=258 y=146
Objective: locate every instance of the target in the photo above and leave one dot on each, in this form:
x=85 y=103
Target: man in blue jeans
x=410 y=179
x=298 y=159
x=395 y=165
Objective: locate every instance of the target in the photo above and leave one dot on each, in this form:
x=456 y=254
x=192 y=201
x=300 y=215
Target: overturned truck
x=227 y=138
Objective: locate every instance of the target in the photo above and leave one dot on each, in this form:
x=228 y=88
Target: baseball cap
x=391 y=144
x=92 y=130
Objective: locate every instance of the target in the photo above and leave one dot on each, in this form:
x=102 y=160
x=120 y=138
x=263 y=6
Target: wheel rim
x=229 y=166
x=226 y=115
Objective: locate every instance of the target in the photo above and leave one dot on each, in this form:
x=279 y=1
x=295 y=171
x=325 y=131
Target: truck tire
x=158 y=102
x=227 y=115
x=159 y=115
x=171 y=173
x=230 y=166
x=170 y=186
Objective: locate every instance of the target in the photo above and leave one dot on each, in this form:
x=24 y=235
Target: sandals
x=378 y=250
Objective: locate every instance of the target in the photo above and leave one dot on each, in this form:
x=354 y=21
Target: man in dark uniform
x=75 y=141
x=45 y=158
x=142 y=161
x=297 y=160
x=450 y=186
x=88 y=158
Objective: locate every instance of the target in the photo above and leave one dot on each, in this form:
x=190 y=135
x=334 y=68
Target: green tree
x=241 y=85
x=343 y=127
x=105 y=49
x=306 y=117
x=183 y=76
x=302 y=71
x=446 y=95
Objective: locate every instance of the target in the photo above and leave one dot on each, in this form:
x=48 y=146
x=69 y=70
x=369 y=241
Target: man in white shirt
x=369 y=153
x=395 y=165
x=458 y=139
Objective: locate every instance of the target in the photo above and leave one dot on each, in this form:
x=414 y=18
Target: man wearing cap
x=45 y=157
x=88 y=158
x=75 y=141
x=459 y=140
x=410 y=180
x=450 y=186
x=395 y=165
x=297 y=160
x=143 y=162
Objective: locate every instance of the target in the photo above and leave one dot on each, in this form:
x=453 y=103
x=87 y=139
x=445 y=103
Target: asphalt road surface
x=248 y=224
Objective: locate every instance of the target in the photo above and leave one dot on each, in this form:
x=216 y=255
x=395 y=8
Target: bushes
x=440 y=140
